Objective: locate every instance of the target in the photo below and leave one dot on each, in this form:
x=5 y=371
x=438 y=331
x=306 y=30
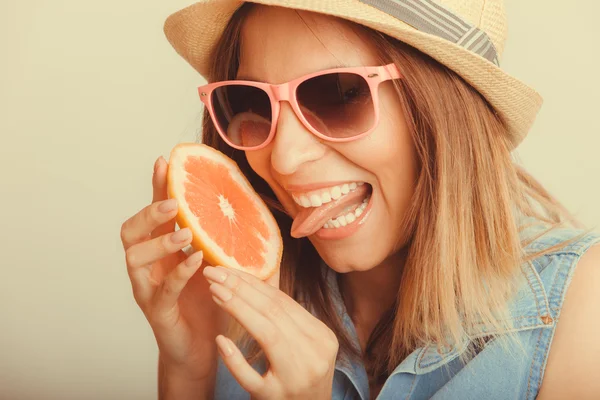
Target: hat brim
x=194 y=31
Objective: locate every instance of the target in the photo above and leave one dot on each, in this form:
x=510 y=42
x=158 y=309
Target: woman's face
x=279 y=45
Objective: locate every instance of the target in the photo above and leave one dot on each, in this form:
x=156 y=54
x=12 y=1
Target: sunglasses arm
x=390 y=71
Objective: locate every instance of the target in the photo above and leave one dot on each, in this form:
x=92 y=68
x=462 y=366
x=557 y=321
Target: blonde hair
x=464 y=250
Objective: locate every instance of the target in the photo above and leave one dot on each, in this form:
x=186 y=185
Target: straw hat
x=468 y=36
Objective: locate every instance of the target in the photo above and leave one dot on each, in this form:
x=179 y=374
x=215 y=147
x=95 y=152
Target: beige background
x=91 y=93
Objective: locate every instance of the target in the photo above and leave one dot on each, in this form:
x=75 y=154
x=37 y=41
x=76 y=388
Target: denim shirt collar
x=354 y=371
x=527 y=311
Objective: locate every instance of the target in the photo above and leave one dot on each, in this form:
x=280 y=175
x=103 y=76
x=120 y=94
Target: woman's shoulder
x=558 y=305
x=554 y=254
x=552 y=257
x=554 y=315
x=571 y=277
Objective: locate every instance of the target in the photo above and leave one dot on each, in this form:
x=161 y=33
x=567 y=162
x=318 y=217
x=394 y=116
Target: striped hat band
x=430 y=17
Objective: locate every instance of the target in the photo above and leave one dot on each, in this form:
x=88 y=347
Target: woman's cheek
x=260 y=162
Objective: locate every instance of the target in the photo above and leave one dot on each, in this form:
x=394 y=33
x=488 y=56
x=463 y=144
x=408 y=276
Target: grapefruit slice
x=230 y=223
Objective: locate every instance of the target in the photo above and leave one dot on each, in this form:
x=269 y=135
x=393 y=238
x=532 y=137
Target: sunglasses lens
x=243 y=113
x=338 y=105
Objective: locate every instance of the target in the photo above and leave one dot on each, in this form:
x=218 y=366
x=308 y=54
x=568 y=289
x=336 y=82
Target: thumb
x=159 y=193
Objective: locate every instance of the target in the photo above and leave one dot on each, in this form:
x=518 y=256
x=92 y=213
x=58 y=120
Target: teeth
x=348 y=218
x=318 y=198
x=304 y=201
x=336 y=192
x=315 y=200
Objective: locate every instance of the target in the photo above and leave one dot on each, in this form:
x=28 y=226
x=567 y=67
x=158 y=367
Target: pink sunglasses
x=337 y=105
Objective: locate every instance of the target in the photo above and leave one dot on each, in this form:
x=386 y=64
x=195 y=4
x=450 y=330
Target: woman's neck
x=369 y=294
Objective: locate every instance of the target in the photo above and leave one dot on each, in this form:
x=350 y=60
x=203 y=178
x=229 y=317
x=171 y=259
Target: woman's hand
x=176 y=302
x=301 y=349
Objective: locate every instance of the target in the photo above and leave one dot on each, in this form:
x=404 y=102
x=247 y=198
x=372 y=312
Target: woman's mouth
x=348 y=216
x=316 y=198
x=332 y=212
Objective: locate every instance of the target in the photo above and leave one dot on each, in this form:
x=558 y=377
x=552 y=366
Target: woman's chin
x=346 y=261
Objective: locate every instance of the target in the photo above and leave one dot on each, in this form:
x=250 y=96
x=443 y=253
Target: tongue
x=310 y=220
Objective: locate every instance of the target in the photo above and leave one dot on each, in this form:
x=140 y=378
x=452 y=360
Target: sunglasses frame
x=287 y=92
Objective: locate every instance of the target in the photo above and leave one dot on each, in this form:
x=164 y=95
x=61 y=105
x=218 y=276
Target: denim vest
x=431 y=372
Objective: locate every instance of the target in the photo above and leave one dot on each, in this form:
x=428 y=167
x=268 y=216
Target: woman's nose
x=293 y=144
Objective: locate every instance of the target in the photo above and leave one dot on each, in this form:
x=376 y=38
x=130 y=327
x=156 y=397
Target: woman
x=419 y=260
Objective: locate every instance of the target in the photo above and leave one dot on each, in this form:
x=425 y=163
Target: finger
x=168 y=293
x=266 y=304
x=235 y=361
x=265 y=287
x=159 y=193
x=146 y=253
x=141 y=286
x=139 y=227
x=271 y=338
x=140 y=256
x=303 y=318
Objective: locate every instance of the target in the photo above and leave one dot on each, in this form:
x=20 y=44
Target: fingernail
x=224 y=345
x=167 y=206
x=156 y=164
x=181 y=235
x=221 y=292
x=195 y=259
x=215 y=274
